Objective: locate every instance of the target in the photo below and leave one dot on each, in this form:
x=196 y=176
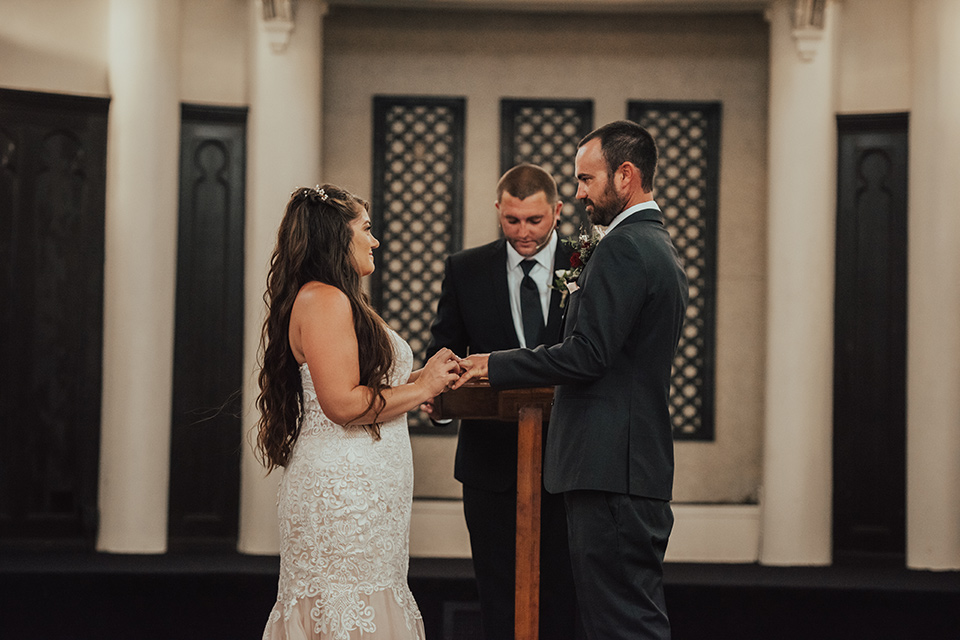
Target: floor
x=78 y=596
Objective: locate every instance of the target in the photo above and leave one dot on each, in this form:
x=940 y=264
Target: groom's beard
x=606 y=207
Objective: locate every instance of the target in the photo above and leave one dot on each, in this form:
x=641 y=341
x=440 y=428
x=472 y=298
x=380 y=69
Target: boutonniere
x=583 y=246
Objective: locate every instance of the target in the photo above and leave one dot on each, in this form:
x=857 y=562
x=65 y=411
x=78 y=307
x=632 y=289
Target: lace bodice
x=344 y=506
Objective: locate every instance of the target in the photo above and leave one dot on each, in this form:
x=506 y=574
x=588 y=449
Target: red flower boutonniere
x=583 y=246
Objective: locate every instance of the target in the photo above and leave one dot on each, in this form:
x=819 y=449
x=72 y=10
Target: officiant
x=498 y=296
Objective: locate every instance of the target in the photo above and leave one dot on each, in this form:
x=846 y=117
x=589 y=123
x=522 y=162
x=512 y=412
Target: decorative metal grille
x=687 y=185
x=417 y=210
x=546 y=133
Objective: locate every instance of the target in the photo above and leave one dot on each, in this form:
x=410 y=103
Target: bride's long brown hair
x=313 y=244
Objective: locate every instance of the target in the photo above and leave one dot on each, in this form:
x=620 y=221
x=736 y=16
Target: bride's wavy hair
x=313 y=243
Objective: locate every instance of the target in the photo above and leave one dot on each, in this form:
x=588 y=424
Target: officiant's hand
x=473 y=366
x=429 y=407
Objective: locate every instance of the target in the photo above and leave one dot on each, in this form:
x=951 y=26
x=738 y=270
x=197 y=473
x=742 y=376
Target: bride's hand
x=440 y=372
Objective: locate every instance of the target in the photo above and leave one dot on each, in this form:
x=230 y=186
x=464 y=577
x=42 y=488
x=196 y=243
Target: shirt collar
x=544 y=256
x=650 y=204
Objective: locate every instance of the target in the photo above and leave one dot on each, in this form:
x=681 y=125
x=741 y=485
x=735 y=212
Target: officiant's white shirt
x=542 y=274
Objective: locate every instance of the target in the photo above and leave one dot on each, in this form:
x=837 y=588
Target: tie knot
x=526 y=265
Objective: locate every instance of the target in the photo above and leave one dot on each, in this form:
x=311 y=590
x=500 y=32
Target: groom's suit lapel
x=644 y=215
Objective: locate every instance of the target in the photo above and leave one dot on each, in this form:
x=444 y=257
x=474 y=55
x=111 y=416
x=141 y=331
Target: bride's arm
x=322 y=334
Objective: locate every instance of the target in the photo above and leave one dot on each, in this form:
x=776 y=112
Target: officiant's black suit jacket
x=473 y=316
x=610 y=425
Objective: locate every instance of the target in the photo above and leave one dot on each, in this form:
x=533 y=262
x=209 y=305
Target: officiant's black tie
x=530 y=307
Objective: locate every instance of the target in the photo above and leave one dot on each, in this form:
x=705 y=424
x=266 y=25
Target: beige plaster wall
x=53 y=45
x=214 y=51
x=875 y=56
x=486 y=56
x=58 y=46
x=61 y=46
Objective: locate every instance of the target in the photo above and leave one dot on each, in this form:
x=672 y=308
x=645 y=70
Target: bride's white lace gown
x=344 y=506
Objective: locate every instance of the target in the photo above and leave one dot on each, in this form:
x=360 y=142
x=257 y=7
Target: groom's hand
x=473 y=366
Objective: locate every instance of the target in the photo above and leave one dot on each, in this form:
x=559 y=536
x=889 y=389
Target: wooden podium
x=478 y=400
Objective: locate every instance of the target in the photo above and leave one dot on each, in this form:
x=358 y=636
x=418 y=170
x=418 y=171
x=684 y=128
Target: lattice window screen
x=417 y=212
x=546 y=133
x=687 y=185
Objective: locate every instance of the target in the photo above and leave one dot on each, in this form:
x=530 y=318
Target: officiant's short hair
x=525 y=180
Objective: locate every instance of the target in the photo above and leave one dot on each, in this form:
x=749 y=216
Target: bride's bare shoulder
x=315 y=294
x=320 y=313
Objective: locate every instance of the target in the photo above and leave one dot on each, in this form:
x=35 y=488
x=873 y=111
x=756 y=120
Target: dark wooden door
x=869 y=458
x=208 y=347
x=52 y=190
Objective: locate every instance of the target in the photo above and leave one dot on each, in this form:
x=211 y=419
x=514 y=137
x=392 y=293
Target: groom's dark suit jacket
x=610 y=425
x=473 y=316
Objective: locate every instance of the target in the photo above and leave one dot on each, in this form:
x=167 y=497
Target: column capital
x=808 y=20
x=807 y=41
x=279 y=17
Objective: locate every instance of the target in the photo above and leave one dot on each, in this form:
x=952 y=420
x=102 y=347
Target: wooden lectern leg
x=529 y=437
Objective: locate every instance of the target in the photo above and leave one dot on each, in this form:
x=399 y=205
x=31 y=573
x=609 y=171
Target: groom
x=610 y=448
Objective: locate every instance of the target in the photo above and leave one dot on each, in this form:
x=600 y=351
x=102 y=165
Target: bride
x=335 y=387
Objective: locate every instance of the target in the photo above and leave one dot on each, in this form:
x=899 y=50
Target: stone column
x=140 y=274
x=284 y=142
x=933 y=322
x=797 y=468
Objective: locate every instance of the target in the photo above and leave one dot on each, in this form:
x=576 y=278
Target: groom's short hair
x=626 y=141
x=525 y=180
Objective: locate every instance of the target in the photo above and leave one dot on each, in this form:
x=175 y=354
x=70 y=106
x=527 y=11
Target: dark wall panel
x=208 y=347
x=52 y=190
x=870 y=340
